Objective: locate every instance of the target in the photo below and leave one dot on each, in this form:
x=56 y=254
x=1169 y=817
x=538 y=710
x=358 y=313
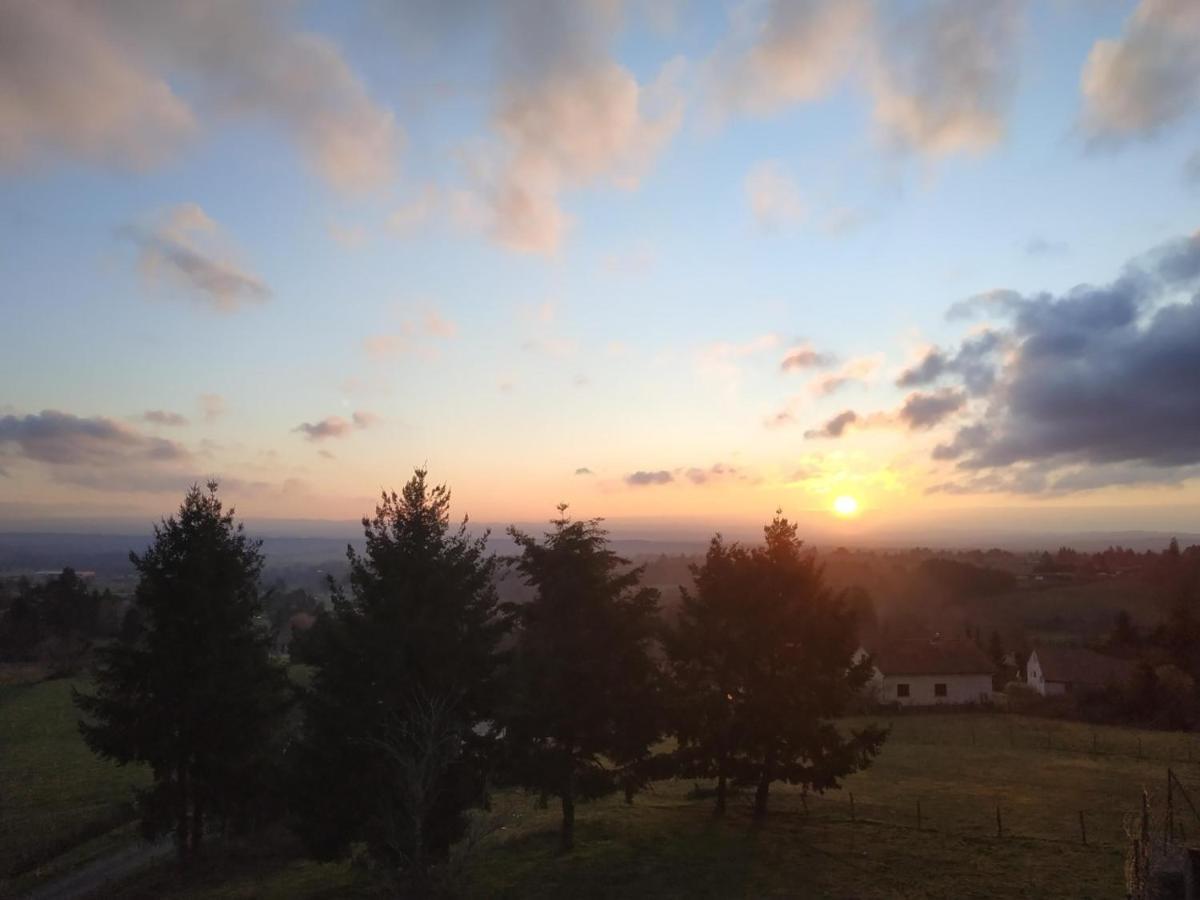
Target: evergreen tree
x=395 y=746
x=584 y=703
x=995 y=649
x=196 y=696
x=774 y=649
x=703 y=652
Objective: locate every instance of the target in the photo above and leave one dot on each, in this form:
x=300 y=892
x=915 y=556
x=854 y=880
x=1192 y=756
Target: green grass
x=54 y=793
x=959 y=767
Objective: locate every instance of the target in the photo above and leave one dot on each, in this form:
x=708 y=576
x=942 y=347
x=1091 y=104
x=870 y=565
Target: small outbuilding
x=1063 y=670
x=931 y=673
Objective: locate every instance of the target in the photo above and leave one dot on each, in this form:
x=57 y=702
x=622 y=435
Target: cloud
x=973 y=362
x=412 y=335
x=722 y=359
x=923 y=411
x=566 y=115
x=715 y=473
x=212 y=406
x=642 y=478
x=772 y=196
x=1098 y=376
x=1191 y=169
x=795 y=53
x=164 y=417
x=411 y=216
x=1149 y=77
x=182 y=249
x=835 y=427
x=857 y=370
x=942 y=77
x=1041 y=247
x=62 y=439
x=806 y=357
x=939 y=77
x=335 y=426
x=584 y=470
x=95 y=84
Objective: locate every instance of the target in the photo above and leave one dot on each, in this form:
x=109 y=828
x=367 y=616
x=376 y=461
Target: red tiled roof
x=932 y=658
x=1078 y=665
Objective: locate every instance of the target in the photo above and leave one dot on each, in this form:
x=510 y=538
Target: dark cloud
x=922 y=411
x=1103 y=381
x=62 y=439
x=715 y=472
x=219 y=283
x=973 y=363
x=835 y=426
x=164 y=417
x=806 y=358
x=642 y=478
x=583 y=470
x=336 y=426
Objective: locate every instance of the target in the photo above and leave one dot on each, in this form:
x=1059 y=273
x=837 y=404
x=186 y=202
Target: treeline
x=56 y=622
x=427 y=692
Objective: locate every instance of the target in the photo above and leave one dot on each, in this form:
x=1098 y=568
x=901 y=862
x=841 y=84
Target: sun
x=845 y=506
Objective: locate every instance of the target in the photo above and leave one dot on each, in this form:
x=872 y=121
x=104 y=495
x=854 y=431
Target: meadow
x=55 y=795
x=958 y=767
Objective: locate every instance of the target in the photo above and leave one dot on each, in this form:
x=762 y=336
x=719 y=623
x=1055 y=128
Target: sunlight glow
x=845 y=506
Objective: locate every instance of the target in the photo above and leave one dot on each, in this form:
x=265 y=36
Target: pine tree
x=196 y=695
x=584 y=705
x=703 y=652
x=395 y=746
x=775 y=649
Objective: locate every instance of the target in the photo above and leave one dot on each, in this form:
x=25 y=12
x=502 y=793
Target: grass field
x=958 y=767
x=54 y=794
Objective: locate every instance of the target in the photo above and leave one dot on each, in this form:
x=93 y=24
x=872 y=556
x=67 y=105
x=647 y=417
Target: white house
x=930 y=673
x=1063 y=670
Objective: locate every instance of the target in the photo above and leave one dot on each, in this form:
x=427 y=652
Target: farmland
x=958 y=767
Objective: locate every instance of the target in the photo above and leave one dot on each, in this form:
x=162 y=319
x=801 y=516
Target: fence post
x=852 y=816
x=1169 y=834
x=999 y=823
x=1082 y=829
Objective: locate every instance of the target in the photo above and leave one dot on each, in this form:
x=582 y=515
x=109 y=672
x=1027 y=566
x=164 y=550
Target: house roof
x=1078 y=665
x=936 y=657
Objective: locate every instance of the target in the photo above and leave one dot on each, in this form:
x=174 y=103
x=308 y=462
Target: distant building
x=1064 y=670
x=931 y=673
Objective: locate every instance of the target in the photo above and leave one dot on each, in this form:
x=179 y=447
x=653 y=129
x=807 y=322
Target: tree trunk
x=568 y=814
x=764 y=786
x=197 y=821
x=181 y=812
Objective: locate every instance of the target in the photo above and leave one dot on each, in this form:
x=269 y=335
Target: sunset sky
x=680 y=260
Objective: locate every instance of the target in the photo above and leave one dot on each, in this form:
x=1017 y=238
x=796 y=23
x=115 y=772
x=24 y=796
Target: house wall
x=959 y=689
x=1036 y=679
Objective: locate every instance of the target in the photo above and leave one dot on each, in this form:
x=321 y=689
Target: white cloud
x=92 y=81
x=1148 y=77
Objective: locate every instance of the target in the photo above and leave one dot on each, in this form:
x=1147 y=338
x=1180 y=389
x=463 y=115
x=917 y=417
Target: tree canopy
x=396 y=727
x=583 y=707
x=195 y=695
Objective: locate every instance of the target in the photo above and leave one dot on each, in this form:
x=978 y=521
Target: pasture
x=957 y=767
x=55 y=795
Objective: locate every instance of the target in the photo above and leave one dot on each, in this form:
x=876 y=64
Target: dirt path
x=91 y=878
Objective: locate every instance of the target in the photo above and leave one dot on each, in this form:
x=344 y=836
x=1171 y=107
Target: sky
x=667 y=260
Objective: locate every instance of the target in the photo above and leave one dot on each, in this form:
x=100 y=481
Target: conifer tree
x=396 y=726
x=195 y=695
x=763 y=657
x=583 y=710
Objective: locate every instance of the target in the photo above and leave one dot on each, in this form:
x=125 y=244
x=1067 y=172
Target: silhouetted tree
x=995 y=649
x=583 y=708
x=395 y=749
x=790 y=643
x=704 y=653
x=1124 y=633
x=196 y=695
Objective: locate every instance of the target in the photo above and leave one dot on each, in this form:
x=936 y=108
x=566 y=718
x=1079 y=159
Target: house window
x=939 y=690
x=902 y=690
